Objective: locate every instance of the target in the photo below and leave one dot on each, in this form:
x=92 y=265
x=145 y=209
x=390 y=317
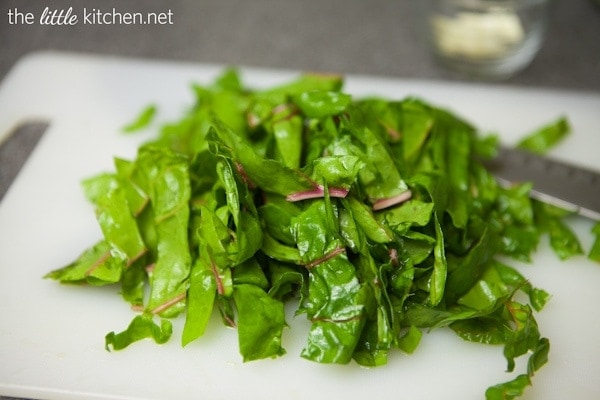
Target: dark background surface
x=376 y=37
x=380 y=37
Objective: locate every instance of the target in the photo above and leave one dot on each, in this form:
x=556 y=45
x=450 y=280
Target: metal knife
x=562 y=184
x=16 y=148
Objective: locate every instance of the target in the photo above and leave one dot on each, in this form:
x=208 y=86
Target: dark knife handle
x=15 y=150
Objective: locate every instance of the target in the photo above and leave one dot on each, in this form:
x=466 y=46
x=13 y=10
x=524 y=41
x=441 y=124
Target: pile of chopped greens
x=376 y=217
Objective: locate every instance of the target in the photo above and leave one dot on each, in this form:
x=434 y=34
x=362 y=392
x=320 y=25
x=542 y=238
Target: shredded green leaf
x=543 y=139
x=143 y=120
x=141 y=327
x=376 y=217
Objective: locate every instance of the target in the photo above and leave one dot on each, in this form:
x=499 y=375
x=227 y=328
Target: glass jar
x=485 y=38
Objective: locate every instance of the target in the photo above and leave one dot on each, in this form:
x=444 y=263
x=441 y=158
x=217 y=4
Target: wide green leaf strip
x=141 y=327
x=335 y=296
x=169 y=192
x=261 y=320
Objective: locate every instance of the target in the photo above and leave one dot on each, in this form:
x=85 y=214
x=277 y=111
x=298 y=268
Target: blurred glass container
x=490 y=39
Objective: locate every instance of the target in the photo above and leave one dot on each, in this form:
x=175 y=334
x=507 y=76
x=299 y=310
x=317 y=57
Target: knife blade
x=16 y=148
x=562 y=184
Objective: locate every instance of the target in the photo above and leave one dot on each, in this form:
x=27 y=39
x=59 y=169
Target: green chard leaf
x=380 y=179
x=286 y=280
x=305 y=83
x=168 y=176
x=410 y=340
x=439 y=274
x=319 y=104
x=287 y=129
x=546 y=137
x=253 y=168
x=378 y=334
x=261 y=320
x=563 y=240
x=508 y=390
x=118 y=225
x=411 y=213
x=248 y=236
x=143 y=119
x=97 y=266
x=417 y=122
x=539 y=349
x=334 y=304
x=200 y=301
x=141 y=327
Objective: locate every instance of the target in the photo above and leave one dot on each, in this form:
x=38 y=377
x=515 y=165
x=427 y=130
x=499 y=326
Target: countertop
x=376 y=37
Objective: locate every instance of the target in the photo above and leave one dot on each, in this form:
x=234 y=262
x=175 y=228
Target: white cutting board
x=52 y=336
